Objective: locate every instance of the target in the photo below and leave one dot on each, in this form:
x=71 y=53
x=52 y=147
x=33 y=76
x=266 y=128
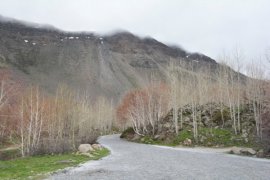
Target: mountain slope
x=100 y=65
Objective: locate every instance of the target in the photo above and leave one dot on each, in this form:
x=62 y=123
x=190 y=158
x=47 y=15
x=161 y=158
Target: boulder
x=243 y=151
x=167 y=125
x=245 y=135
x=206 y=121
x=156 y=137
x=260 y=153
x=187 y=119
x=96 y=146
x=84 y=148
x=187 y=142
x=248 y=151
x=235 y=150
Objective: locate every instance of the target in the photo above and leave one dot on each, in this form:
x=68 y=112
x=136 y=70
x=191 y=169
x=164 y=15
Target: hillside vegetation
x=200 y=109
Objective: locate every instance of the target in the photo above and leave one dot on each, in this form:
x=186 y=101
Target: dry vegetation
x=43 y=123
x=195 y=86
x=144 y=108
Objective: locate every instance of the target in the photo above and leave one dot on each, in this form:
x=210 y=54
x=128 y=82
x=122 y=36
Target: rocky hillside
x=102 y=65
x=213 y=131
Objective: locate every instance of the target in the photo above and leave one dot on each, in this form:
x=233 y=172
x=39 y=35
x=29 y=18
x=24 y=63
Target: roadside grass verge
x=36 y=166
x=207 y=137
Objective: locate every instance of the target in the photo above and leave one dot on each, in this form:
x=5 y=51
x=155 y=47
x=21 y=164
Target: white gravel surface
x=132 y=161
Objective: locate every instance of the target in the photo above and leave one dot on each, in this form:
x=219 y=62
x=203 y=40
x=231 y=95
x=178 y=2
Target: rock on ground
x=248 y=151
x=84 y=148
x=236 y=150
x=96 y=146
x=243 y=151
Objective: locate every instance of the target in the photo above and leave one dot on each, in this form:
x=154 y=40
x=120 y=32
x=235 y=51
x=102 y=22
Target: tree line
x=195 y=83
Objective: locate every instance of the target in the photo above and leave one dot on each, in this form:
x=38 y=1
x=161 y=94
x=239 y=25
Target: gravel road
x=132 y=161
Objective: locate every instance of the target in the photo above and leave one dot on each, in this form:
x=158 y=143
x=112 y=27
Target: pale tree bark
x=31 y=122
x=172 y=75
x=238 y=57
x=256 y=94
x=194 y=95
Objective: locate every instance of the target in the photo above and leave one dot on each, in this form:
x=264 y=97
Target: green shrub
x=127 y=132
x=217 y=116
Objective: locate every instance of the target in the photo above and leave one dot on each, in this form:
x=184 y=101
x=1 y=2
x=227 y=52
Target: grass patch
x=171 y=141
x=149 y=140
x=209 y=137
x=184 y=134
x=35 y=166
x=221 y=137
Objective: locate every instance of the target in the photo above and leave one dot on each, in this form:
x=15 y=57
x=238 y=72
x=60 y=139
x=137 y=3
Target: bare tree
x=144 y=108
x=173 y=79
x=238 y=57
x=32 y=116
x=255 y=91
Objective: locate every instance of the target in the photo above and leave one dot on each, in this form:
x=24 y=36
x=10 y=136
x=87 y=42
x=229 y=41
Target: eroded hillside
x=100 y=65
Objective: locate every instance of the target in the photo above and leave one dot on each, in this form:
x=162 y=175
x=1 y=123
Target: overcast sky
x=206 y=26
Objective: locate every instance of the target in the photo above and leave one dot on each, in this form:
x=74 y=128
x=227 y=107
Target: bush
x=128 y=132
x=144 y=108
x=217 y=116
x=60 y=123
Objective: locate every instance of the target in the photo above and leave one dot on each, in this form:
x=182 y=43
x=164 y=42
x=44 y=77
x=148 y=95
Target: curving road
x=131 y=161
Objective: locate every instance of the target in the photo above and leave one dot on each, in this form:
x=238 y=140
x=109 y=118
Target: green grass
x=173 y=141
x=223 y=137
x=36 y=166
x=209 y=137
x=149 y=140
x=184 y=134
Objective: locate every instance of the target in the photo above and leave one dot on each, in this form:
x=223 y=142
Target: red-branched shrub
x=143 y=108
x=10 y=89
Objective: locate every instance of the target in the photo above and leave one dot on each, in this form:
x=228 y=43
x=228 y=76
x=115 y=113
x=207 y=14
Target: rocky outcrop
x=210 y=115
x=212 y=130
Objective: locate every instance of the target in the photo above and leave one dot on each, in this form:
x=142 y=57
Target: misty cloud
x=207 y=26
